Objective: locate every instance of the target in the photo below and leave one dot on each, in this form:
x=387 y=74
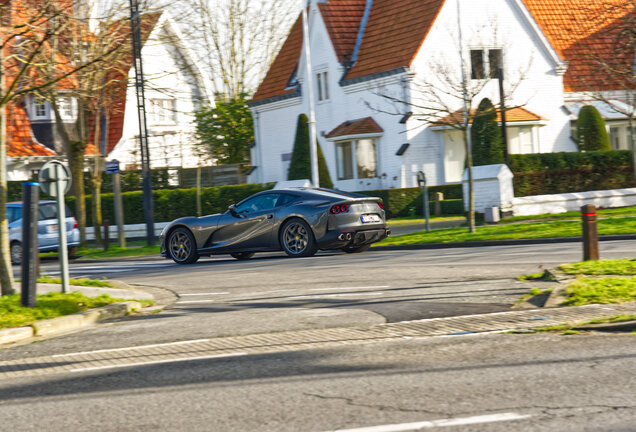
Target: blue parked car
x=48 y=236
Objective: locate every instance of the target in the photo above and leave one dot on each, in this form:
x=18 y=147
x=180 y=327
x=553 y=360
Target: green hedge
x=551 y=173
x=172 y=204
x=408 y=201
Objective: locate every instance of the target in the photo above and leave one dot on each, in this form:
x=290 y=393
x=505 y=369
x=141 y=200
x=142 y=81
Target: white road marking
x=236 y=354
x=318 y=296
x=133 y=348
x=194 y=301
x=462 y=421
x=346 y=288
x=204 y=294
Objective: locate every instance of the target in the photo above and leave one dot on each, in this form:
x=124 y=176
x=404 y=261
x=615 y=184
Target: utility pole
x=143 y=129
x=313 y=152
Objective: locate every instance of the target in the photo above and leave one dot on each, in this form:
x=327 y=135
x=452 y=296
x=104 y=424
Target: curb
x=64 y=324
x=481 y=243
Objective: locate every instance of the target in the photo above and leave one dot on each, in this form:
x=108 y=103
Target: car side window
x=15 y=215
x=258 y=203
x=285 y=199
x=10 y=213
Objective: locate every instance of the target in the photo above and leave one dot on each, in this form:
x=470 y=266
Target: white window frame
x=488 y=72
x=163 y=111
x=322 y=84
x=40 y=109
x=354 y=167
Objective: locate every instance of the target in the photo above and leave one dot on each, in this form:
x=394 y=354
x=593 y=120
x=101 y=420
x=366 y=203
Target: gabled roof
x=517 y=114
x=593 y=37
x=396 y=29
x=356 y=127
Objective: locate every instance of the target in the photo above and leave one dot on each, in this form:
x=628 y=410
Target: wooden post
x=439 y=197
x=590 y=234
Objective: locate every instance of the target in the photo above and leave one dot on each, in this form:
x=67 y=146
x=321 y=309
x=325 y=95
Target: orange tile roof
x=20 y=140
x=342 y=19
x=276 y=81
x=592 y=35
x=356 y=127
x=517 y=114
x=394 y=34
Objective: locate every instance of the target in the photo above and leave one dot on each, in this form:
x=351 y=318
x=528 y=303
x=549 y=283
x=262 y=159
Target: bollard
x=590 y=234
x=106 y=235
x=30 y=253
x=439 y=197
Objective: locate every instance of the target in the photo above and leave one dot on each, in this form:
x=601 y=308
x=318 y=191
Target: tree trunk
x=6 y=272
x=471 y=192
x=76 y=164
x=96 y=183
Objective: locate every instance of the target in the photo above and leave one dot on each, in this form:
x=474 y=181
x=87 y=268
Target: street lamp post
x=313 y=152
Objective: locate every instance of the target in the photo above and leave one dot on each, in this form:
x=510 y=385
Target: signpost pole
x=30 y=200
x=112 y=167
x=421 y=181
x=61 y=217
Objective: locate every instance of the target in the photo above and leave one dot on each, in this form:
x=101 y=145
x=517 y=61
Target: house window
x=65 y=105
x=323 y=86
x=40 y=108
x=356 y=159
x=485 y=63
x=521 y=140
x=163 y=111
x=620 y=137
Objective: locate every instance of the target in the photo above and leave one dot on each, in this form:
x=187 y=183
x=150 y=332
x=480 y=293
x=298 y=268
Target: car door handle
x=269 y=216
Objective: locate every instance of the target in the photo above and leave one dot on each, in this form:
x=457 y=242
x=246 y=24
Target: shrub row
x=408 y=201
x=170 y=204
x=551 y=173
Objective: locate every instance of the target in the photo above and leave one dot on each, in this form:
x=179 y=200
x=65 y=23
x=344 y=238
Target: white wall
x=171 y=143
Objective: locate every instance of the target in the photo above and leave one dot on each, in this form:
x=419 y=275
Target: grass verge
x=604 y=291
x=77 y=282
x=569 y=329
x=626 y=267
x=50 y=305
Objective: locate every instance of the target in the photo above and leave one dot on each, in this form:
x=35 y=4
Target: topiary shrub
x=590 y=130
x=300 y=166
x=485 y=133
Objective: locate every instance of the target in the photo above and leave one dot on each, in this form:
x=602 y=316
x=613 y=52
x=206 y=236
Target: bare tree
x=237 y=39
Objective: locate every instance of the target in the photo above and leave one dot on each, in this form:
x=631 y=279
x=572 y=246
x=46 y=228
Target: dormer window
x=40 y=108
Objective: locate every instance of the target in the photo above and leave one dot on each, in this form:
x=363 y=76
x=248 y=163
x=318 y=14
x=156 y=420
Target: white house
x=388 y=82
x=174 y=88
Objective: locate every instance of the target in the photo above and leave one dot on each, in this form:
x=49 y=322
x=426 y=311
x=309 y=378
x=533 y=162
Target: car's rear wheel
x=182 y=247
x=16 y=253
x=358 y=249
x=242 y=255
x=297 y=239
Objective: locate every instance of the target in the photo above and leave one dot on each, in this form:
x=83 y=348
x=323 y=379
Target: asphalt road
x=485 y=382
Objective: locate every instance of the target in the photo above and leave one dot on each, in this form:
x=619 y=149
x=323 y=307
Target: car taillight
x=381 y=205
x=74 y=224
x=340 y=208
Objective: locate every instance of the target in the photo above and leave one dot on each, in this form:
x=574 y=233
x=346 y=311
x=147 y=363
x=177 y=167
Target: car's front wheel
x=242 y=255
x=297 y=239
x=16 y=253
x=182 y=247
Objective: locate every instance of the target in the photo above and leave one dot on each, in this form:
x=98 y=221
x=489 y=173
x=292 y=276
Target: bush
x=552 y=173
x=173 y=204
x=300 y=165
x=408 y=201
x=487 y=141
x=590 y=130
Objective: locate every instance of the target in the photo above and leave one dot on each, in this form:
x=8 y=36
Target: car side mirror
x=232 y=209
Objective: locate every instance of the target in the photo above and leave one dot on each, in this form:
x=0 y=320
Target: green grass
x=604 y=291
x=569 y=328
x=421 y=220
x=626 y=267
x=50 y=305
x=117 y=252
x=513 y=231
x=78 y=282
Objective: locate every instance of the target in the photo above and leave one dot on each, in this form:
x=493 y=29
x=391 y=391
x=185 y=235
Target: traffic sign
x=51 y=173
x=112 y=167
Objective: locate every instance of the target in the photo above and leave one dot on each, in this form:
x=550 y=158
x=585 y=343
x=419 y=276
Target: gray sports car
x=299 y=221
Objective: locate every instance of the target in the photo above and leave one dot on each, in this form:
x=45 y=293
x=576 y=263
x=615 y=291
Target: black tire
x=242 y=255
x=297 y=239
x=72 y=252
x=16 y=253
x=358 y=249
x=181 y=246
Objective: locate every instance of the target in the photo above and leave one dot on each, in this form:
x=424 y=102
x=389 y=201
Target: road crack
x=380 y=407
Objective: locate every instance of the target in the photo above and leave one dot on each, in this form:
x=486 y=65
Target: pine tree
x=590 y=130
x=487 y=142
x=300 y=166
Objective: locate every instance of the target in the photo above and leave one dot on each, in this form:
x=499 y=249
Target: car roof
x=19 y=203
